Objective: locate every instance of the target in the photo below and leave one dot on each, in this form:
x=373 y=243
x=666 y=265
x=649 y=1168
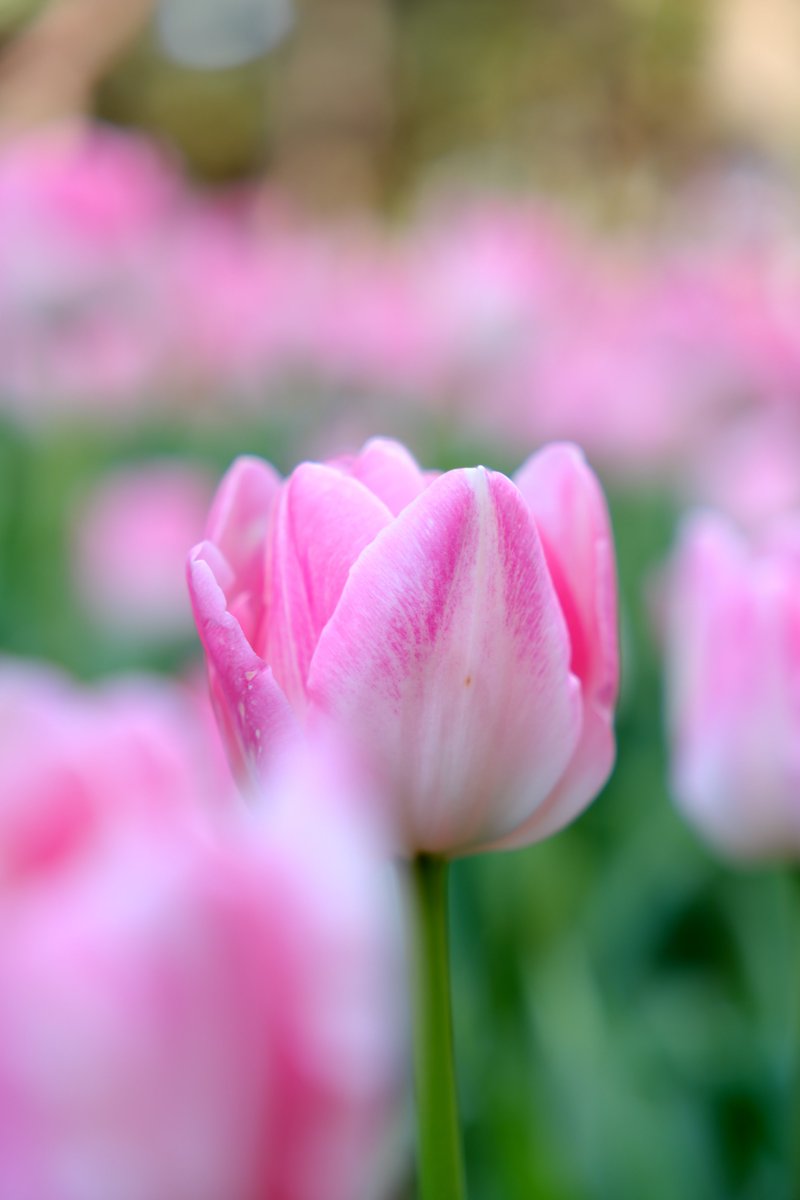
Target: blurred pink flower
x=732 y=313
x=368 y=323
x=78 y=764
x=119 y=286
x=219 y=300
x=750 y=470
x=460 y=629
x=83 y=214
x=493 y=279
x=612 y=373
x=191 y=1008
x=131 y=535
x=733 y=685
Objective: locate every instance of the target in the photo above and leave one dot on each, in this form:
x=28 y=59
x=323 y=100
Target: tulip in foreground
x=458 y=632
x=459 y=629
x=192 y=1006
x=733 y=676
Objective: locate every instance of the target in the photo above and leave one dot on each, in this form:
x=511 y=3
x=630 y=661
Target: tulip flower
x=458 y=632
x=459 y=629
x=733 y=669
x=191 y=1008
x=83 y=217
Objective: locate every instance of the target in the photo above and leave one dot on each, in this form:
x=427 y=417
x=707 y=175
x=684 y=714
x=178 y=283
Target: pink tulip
x=219 y=300
x=751 y=470
x=132 y=533
x=459 y=630
x=84 y=214
x=492 y=279
x=71 y=759
x=733 y=673
x=190 y=1008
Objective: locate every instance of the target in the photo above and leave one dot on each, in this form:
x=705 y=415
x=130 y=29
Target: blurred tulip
x=190 y=1008
x=459 y=629
x=750 y=471
x=494 y=277
x=76 y=765
x=733 y=676
x=82 y=221
x=118 y=285
x=220 y=282
x=131 y=536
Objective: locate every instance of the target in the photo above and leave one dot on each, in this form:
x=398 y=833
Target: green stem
x=794 y=1052
x=441 y=1171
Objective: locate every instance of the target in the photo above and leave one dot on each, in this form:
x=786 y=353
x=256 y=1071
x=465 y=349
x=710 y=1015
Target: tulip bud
x=458 y=630
x=733 y=685
x=193 y=1006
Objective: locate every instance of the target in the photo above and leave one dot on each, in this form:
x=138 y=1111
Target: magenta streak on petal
x=580 y=661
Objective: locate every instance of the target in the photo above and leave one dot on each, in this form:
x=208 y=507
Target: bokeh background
x=281 y=226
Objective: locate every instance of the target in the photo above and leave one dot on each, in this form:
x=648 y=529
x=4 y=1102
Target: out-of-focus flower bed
x=626 y=1003
x=127 y=296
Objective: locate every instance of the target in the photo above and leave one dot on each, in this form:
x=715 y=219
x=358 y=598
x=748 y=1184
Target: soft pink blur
x=131 y=535
x=78 y=765
x=751 y=470
x=459 y=629
x=82 y=216
x=733 y=675
x=196 y=998
x=124 y=291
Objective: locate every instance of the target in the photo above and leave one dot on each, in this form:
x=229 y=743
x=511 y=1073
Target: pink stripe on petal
x=253 y=713
x=321 y=523
x=449 y=658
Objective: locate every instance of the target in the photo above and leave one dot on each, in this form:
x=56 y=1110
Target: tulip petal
x=253 y=713
x=567 y=504
x=389 y=471
x=448 y=657
x=710 y=623
x=321 y=523
x=570 y=512
x=237 y=523
x=588 y=770
x=734 y=704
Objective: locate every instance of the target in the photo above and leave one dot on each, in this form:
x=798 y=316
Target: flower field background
x=524 y=223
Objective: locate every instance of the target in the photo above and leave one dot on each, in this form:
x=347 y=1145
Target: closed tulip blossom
x=459 y=629
x=733 y=676
x=195 y=1003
